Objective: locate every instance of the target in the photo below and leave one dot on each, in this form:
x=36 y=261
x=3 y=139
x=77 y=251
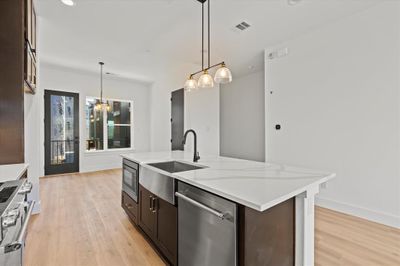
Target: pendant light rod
x=209 y=46
x=208 y=68
x=202 y=35
x=101 y=81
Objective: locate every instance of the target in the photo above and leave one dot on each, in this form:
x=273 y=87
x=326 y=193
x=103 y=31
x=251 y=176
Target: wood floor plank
x=82 y=223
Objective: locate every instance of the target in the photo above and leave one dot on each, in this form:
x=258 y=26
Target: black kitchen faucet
x=196 y=155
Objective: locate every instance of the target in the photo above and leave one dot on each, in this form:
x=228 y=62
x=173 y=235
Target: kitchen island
x=262 y=190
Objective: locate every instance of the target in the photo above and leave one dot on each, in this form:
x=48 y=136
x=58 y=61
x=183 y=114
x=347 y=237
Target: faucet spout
x=196 y=155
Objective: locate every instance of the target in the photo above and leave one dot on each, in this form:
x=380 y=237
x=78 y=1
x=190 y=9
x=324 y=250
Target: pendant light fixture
x=223 y=74
x=101 y=104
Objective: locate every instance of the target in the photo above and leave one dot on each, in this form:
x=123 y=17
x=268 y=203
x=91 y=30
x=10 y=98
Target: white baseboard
x=94 y=168
x=378 y=217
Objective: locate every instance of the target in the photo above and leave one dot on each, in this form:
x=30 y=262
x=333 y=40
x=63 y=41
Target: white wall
x=242 y=118
x=201 y=111
x=87 y=84
x=336 y=96
x=33 y=105
x=202 y=115
x=32 y=143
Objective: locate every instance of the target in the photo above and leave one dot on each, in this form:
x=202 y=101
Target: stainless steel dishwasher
x=207 y=228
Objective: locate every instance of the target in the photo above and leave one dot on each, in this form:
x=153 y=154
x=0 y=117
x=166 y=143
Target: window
x=115 y=133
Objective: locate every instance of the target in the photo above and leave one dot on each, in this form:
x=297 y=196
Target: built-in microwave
x=130 y=179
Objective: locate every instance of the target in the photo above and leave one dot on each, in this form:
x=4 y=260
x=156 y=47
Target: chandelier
x=222 y=75
x=101 y=104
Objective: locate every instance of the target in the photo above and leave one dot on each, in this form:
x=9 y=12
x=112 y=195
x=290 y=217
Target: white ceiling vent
x=242 y=26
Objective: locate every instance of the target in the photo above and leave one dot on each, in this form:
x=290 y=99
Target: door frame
x=66 y=168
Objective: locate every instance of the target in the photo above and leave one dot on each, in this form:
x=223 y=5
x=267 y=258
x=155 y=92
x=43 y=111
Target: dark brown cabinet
x=130 y=206
x=158 y=219
x=167 y=229
x=12 y=58
x=18 y=59
x=147 y=216
x=30 y=47
x=268 y=237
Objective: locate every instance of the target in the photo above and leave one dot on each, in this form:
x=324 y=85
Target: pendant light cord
x=209 y=46
x=101 y=83
x=202 y=36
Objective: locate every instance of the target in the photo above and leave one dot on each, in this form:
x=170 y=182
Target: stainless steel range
x=15 y=211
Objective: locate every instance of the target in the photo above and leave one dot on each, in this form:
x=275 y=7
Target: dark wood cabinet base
x=264 y=238
x=158 y=219
x=130 y=207
x=267 y=238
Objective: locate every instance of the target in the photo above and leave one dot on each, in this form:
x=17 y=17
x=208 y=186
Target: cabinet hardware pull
x=151 y=203
x=154 y=205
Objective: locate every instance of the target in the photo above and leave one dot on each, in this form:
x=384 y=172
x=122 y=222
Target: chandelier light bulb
x=205 y=81
x=223 y=75
x=190 y=84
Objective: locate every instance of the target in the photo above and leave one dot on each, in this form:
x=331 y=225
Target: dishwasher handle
x=200 y=205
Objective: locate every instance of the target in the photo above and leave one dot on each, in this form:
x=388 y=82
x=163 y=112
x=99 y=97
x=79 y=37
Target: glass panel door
x=61 y=132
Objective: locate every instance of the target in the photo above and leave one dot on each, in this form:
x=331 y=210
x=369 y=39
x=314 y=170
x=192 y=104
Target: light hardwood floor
x=82 y=223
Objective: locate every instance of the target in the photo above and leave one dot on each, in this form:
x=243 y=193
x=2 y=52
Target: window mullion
x=105 y=131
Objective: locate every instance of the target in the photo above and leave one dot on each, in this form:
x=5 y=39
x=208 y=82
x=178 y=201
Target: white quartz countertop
x=10 y=172
x=257 y=185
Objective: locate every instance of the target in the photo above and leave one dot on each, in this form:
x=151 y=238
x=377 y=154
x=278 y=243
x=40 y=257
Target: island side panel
x=267 y=238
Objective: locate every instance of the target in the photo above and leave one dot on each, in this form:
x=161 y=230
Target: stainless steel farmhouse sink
x=163 y=185
x=174 y=166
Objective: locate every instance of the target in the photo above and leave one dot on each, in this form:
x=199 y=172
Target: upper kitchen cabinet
x=30 y=76
x=18 y=59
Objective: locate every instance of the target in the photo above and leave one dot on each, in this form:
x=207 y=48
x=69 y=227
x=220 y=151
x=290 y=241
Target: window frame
x=105 y=127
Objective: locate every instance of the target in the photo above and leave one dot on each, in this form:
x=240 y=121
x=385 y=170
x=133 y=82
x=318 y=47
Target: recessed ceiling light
x=68 y=2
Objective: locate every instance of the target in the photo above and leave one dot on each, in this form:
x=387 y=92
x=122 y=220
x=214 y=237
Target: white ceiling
x=137 y=38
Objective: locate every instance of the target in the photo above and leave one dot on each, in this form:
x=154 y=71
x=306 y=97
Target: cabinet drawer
x=130 y=206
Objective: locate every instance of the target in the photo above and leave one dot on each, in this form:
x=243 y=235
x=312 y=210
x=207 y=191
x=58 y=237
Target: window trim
x=105 y=128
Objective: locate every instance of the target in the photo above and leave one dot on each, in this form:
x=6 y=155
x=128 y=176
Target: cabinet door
x=33 y=29
x=147 y=217
x=28 y=20
x=130 y=206
x=167 y=229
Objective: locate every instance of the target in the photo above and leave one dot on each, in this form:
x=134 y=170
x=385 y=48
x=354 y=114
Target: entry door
x=61 y=132
x=177 y=119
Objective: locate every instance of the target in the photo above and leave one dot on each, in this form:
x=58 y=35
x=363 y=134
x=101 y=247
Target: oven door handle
x=20 y=240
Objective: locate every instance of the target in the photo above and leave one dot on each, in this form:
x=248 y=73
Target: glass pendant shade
x=223 y=75
x=205 y=81
x=190 y=84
